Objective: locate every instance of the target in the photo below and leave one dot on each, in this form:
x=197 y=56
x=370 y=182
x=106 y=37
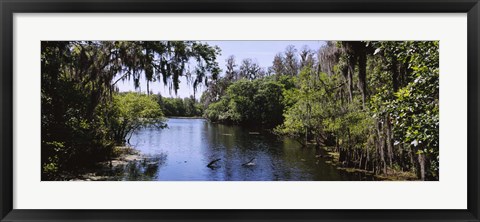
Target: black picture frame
x=9 y=7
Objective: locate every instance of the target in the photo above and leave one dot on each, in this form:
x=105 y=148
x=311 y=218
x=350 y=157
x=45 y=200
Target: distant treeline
x=186 y=107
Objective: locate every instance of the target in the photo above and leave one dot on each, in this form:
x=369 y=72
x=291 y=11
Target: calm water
x=187 y=146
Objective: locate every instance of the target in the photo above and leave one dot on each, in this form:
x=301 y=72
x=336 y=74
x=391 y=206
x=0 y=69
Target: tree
x=217 y=87
x=307 y=58
x=278 y=67
x=290 y=61
x=250 y=70
x=414 y=108
x=130 y=112
x=313 y=105
x=356 y=54
x=328 y=57
x=164 y=61
x=240 y=104
x=192 y=107
x=75 y=87
x=231 y=74
x=187 y=106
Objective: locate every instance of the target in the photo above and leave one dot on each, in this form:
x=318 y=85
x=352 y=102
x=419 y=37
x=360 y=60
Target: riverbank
x=123 y=156
x=392 y=175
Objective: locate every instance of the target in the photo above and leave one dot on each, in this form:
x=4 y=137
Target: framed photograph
x=265 y=110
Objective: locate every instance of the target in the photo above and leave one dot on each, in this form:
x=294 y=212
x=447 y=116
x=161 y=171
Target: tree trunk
x=367 y=159
x=306 y=136
x=352 y=60
x=381 y=144
x=395 y=74
x=412 y=161
x=389 y=141
x=148 y=87
x=348 y=79
x=362 y=72
x=421 y=162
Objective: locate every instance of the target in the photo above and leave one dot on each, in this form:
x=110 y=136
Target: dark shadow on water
x=144 y=169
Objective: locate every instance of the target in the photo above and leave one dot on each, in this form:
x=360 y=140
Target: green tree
x=309 y=106
x=250 y=102
x=414 y=107
x=130 y=112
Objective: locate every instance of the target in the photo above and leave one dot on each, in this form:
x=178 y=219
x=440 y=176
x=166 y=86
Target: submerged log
x=249 y=163
x=210 y=165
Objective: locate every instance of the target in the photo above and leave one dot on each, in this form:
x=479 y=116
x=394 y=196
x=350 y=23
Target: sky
x=262 y=52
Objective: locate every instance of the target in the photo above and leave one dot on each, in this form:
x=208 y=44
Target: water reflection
x=145 y=168
x=184 y=151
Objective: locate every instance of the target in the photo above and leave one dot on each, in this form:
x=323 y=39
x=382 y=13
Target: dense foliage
x=82 y=115
x=258 y=101
x=129 y=112
x=178 y=107
x=375 y=103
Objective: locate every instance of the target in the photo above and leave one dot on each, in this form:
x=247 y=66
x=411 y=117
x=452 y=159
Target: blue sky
x=262 y=52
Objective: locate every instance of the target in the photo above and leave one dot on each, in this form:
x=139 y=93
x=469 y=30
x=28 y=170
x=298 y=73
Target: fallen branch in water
x=210 y=165
x=249 y=163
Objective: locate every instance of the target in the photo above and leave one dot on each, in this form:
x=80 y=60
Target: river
x=182 y=152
